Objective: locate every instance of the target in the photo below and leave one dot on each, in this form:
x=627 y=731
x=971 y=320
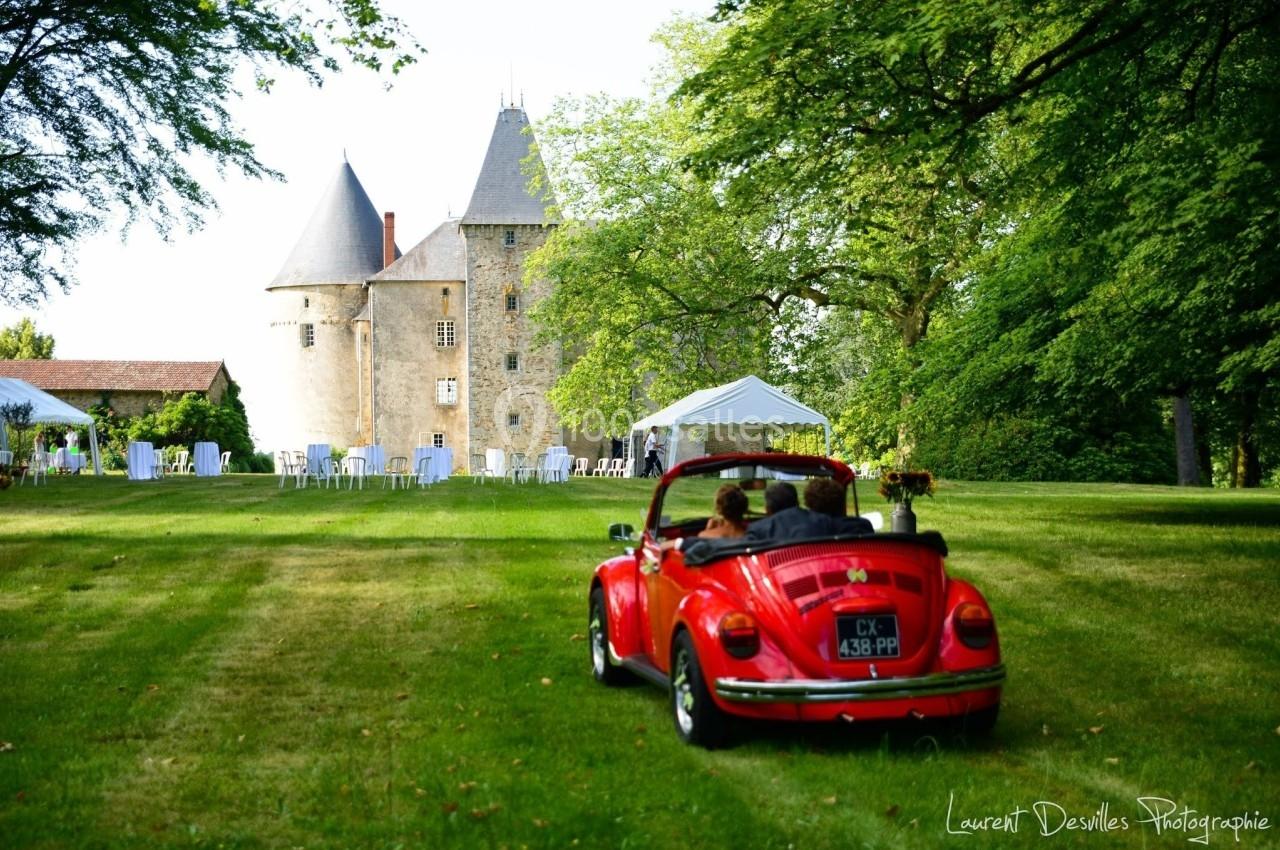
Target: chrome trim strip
x=858 y=690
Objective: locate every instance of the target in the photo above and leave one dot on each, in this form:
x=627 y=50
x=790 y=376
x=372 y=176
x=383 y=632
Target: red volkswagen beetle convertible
x=852 y=626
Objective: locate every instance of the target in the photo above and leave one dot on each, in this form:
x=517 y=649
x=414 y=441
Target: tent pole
x=671 y=445
x=93 y=446
x=826 y=435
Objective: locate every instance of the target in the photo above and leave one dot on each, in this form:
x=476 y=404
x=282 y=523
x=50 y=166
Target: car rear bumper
x=858 y=690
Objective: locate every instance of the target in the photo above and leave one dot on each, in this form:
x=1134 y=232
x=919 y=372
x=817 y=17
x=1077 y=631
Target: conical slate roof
x=502 y=194
x=343 y=241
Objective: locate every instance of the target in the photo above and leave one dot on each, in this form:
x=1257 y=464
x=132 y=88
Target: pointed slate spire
x=342 y=243
x=502 y=194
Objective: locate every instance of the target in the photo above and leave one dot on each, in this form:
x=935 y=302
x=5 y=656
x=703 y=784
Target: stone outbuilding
x=434 y=347
x=132 y=387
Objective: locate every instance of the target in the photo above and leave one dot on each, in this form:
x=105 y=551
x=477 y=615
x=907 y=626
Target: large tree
x=22 y=341
x=105 y=105
x=1132 y=146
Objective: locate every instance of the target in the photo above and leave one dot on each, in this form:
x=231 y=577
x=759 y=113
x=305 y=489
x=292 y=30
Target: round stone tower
x=319 y=319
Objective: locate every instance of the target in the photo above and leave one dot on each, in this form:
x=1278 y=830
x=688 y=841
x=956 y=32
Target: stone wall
x=495 y=393
x=407 y=362
x=320 y=385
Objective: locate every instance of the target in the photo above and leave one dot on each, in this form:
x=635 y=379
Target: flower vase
x=903 y=518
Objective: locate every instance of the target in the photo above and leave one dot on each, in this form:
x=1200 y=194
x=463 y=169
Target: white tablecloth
x=496 y=461
x=64 y=459
x=142 y=459
x=208 y=459
x=316 y=453
x=441 y=463
x=375 y=460
x=556 y=466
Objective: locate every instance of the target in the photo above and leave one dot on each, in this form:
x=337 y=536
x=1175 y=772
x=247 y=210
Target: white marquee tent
x=47 y=409
x=747 y=401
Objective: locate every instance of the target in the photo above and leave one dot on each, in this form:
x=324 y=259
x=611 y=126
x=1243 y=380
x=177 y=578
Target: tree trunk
x=1184 y=438
x=1246 y=467
x=1204 y=454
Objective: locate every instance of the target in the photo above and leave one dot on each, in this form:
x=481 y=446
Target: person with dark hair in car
x=826 y=496
x=731 y=512
x=786 y=520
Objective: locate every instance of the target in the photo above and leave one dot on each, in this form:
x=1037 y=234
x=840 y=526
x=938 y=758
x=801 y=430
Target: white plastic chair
x=224 y=463
x=617 y=468
x=285 y=463
x=424 y=471
x=157 y=463
x=38 y=467
x=480 y=467
x=602 y=467
x=397 y=471
x=182 y=465
x=330 y=472
x=515 y=466
x=580 y=466
x=353 y=468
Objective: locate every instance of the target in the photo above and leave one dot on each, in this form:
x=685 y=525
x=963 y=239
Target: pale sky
x=417 y=150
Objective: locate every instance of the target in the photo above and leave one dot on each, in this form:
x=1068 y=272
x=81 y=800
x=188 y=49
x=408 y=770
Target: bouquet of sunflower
x=902 y=487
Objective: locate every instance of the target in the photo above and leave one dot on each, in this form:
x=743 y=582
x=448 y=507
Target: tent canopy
x=45 y=408
x=747 y=401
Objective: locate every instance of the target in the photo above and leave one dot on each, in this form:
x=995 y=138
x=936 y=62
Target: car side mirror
x=622 y=531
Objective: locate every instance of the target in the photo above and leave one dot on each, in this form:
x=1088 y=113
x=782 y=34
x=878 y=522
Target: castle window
x=508 y=239
x=513 y=302
x=513 y=421
x=306 y=302
x=437 y=439
x=513 y=362
x=446 y=390
x=307 y=335
x=444 y=334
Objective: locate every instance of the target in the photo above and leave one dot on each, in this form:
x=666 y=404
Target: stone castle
x=434 y=347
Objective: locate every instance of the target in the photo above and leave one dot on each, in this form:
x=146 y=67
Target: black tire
x=598 y=642
x=978 y=724
x=698 y=720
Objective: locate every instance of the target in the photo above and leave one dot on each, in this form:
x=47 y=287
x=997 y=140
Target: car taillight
x=974 y=625
x=739 y=635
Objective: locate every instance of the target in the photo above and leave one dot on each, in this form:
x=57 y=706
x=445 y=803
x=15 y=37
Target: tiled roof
x=342 y=242
x=171 y=376
x=502 y=194
x=441 y=256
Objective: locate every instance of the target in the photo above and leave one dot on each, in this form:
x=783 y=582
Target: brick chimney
x=388 y=239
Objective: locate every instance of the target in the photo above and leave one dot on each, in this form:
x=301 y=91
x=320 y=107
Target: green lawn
x=222 y=663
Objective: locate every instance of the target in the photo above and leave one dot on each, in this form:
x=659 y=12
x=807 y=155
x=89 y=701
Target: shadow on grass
x=1204 y=513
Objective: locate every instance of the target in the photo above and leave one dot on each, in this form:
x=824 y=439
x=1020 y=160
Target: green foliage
x=256 y=462
x=180 y=422
x=107 y=107
x=22 y=341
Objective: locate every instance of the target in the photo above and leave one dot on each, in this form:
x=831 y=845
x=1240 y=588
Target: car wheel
x=598 y=642
x=978 y=723
x=698 y=719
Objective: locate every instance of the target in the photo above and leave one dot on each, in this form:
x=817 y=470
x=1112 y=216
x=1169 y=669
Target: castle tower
x=319 y=325
x=507 y=393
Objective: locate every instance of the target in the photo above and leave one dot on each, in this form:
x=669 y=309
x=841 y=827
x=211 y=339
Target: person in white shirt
x=73 y=438
x=651 y=449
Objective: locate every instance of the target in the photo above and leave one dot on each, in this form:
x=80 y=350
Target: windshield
x=690 y=500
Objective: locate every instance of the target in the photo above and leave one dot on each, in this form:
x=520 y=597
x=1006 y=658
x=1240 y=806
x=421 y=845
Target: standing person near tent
x=651 y=449
x=73 y=439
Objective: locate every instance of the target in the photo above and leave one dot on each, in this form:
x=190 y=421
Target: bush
x=256 y=462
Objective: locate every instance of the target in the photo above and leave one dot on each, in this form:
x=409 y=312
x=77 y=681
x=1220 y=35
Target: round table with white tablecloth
x=495 y=460
x=208 y=459
x=142 y=461
x=316 y=455
x=68 y=460
x=441 y=463
x=556 y=466
x=375 y=459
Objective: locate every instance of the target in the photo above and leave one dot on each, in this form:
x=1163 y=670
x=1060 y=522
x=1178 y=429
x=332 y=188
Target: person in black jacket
x=825 y=496
x=785 y=519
